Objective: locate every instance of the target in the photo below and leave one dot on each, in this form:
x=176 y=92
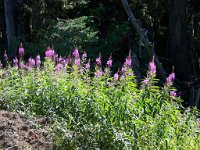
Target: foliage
x=66 y=34
x=93 y=110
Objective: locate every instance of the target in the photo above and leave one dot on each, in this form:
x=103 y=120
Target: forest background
x=102 y=26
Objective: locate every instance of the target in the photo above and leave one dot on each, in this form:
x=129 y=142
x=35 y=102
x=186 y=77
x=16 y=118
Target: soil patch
x=17 y=132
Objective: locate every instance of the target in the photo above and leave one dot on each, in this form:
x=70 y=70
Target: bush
x=93 y=110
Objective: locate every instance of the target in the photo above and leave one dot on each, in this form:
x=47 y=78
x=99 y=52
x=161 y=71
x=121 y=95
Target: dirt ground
x=18 y=133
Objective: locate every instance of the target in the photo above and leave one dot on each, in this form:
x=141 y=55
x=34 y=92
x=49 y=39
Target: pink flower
x=5 y=56
x=77 y=62
x=60 y=59
x=173 y=93
x=98 y=60
x=50 y=53
x=59 y=66
x=123 y=69
x=84 y=56
x=21 y=51
x=170 y=79
x=152 y=67
x=38 y=61
x=15 y=62
x=128 y=61
x=87 y=66
x=76 y=53
x=31 y=62
x=109 y=62
x=99 y=73
x=22 y=66
x=116 y=76
x=69 y=59
x=146 y=81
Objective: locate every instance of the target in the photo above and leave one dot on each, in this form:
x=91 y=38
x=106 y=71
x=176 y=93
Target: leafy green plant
x=94 y=110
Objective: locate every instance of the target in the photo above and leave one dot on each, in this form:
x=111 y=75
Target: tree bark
x=178 y=46
x=10 y=28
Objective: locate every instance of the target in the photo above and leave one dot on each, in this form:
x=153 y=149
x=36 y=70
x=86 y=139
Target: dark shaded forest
x=103 y=26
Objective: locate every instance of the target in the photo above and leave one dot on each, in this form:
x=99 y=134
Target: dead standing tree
x=143 y=38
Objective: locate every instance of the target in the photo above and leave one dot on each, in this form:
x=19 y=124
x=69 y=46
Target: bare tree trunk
x=143 y=37
x=37 y=19
x=178 y=50
x=10 y=28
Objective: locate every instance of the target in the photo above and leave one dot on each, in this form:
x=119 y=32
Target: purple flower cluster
x=15 y=62
x=170 y=79
x=84 y=56
x=99 y=73
x=87 y=66
x=173 y=93
x=50 y=53
x=59 y=66
x=152 y=67
x=98 y=60
x=38 y=61
x=128 y=61
x=69 y=59
x=109 y=62
x=123 y=70
x=5 y=56
x=31 y=62
x=22 y=66
x=116 y=77
x=76 y=53
x=78 y=62
x=145 y=81
x=21 y=51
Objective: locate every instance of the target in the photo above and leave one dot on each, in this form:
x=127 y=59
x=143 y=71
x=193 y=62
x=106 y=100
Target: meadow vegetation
x=99 y=109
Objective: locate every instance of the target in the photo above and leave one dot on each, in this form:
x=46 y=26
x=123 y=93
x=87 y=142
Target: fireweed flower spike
x=173 y=93
x=22 y=66
x=123 y=70
x=15 y=63
x=76 y=53
x=21 y=50
x=152 y=67
x=5 y=57
x=116 y=76
x=99 y=73
x=84 y=56
x=146 y=81
x=170 y=79
x=98 y=60
x=69 y=59
x=31 y=62
x=87 y=66
x=59 y=67
x=78 y=62
x=50 y=53
x=128 y=61
x=38 y=61
x=109 y=62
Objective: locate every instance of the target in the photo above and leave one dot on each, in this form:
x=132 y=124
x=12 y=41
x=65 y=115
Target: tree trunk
x=10 y=28
x=178 y=50
x=37 y=18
